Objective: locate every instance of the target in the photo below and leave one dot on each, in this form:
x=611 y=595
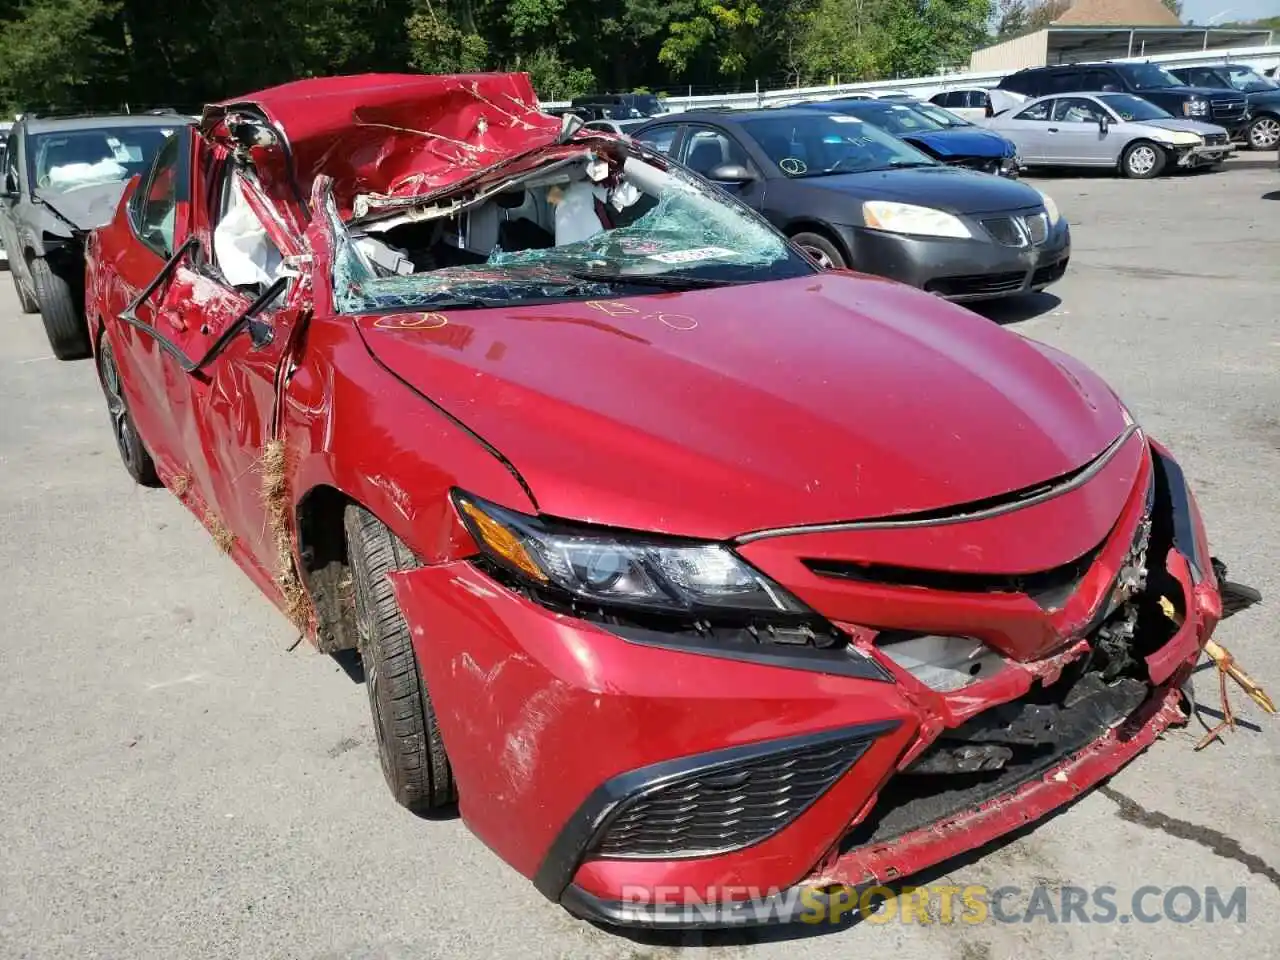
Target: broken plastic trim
x=963 y=513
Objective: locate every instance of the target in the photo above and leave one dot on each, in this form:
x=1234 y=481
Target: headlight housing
x=1179 y=138
x=631 y=570
x=1196 y=107
x=1050 y=207
x=907 y=218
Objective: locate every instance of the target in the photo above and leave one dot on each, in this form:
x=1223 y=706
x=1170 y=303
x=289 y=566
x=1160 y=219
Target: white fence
x=925 y=87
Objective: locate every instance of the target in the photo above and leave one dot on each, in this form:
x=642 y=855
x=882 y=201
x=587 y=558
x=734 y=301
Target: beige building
x=1109 y=30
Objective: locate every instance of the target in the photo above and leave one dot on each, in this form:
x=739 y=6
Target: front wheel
x=1142 y=160
x=410 y=747
x=821 y=250
x=63 y=323
x=1264 y=133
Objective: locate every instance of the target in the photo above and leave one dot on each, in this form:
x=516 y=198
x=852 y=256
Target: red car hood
x=717 y=412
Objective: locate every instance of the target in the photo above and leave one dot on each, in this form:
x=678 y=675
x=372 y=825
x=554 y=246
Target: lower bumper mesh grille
x=727 y=806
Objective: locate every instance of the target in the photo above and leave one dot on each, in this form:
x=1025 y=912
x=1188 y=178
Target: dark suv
x=1263 y=95
x=63 y=176
x=617 y=106
x=1226 y=108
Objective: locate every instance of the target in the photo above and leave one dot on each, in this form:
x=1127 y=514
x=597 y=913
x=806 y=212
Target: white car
x=975 y=104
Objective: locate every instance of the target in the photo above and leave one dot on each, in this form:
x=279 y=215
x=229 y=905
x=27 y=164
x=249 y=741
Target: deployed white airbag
x=244 y=252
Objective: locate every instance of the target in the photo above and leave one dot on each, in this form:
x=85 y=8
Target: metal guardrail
x=926 y=87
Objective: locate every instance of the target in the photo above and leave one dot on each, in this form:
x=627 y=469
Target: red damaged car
x=696 y=575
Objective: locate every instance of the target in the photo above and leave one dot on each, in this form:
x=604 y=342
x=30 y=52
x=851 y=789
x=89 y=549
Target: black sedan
x=851 y=195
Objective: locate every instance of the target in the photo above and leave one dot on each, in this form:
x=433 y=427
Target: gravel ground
x=177 y=782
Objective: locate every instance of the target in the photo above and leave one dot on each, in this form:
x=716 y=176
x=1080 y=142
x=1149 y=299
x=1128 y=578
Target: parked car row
x=851 y=194
x=661 y=547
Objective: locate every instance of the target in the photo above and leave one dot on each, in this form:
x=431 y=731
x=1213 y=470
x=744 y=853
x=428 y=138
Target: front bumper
x=1205 y=154
x=960 y=270
x=586 y=752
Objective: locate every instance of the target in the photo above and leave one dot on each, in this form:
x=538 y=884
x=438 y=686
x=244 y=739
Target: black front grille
x=1037 y=227
x=727 y=806
x=1047 y=587
x=976 y=286
x=1005 y=230
x=1215 y=139
x=1229 y=109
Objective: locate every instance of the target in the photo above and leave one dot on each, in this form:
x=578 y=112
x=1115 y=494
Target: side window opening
x=242 y=249
x=1039 y=111
x=660 y=139
x=160 y=194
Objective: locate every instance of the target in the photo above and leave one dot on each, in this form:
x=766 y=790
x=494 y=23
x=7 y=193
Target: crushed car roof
x=396 y=135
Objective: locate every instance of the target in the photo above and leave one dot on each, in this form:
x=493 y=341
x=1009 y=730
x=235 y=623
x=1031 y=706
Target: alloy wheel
x=1142 y=161
x=1265 y=133
x=121 y=423
x=820 y=257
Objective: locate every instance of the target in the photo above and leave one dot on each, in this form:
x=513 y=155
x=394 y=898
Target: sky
x=1202 y=11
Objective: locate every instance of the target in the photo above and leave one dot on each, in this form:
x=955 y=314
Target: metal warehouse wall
x=1031 y=50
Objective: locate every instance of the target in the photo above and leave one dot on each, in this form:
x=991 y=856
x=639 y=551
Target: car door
x=1028 y=129
x=210 y=349
x=705 y=148
x=1074 y=133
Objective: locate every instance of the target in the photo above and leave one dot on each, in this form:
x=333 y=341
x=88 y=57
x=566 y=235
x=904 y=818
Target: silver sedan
x=1115 y=130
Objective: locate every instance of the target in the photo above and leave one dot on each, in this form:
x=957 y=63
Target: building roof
x=1128 y=13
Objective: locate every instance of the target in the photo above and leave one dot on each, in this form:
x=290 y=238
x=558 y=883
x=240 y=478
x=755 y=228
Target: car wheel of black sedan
x=821 y=250
x=132 y=450
x=1264 y=133
x=409 y=743
x=68 y=335
x=26 y=297
x=1142 y=160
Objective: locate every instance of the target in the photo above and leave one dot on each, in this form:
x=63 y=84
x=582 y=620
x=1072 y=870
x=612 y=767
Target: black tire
x=133 y=452
x=26 y=299
x=63 y=320
x=1142 y=160
x=1264 y=132
x=409 y=743
x=822 y=250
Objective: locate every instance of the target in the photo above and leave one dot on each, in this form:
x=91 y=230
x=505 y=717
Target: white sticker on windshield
x=691 y=256
x=844 y=119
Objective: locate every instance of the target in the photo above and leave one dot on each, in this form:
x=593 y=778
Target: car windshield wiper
x=659 y=279
x=906 y=164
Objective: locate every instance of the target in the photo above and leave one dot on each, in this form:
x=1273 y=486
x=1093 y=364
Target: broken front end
x=907 y=689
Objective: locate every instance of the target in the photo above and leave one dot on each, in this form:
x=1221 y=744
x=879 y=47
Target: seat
x=706 y=154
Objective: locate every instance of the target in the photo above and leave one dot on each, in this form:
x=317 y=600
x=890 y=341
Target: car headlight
x=1195 y=108
x=908 y=218
x=1050 y=207
x=1179 y=138
x=632 y=569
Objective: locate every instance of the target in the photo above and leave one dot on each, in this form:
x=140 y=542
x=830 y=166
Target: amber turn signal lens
x=501 y=541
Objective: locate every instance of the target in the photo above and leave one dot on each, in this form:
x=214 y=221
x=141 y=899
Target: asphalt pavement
x=178 y=780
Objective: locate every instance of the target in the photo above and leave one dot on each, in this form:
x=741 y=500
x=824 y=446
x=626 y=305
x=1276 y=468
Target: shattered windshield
x=806 y=144
x=64 y=160
x=595 y=224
